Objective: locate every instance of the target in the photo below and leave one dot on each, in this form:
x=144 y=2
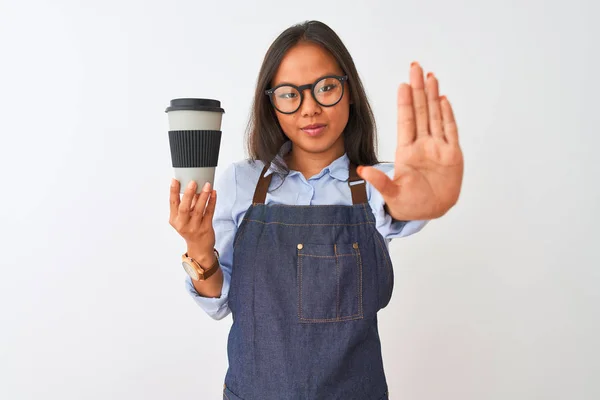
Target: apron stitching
x=311 y=206
x=238 y=236
x=347 y=318
x=299 y=285
x=360 y=277
x=282 y=223
x=337 y=271
x=371 y=214
x=339 y=255
x=315 y=256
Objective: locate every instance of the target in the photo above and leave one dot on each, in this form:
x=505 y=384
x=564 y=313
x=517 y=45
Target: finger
x=198 y=212
x=195 y=201
x=419 y=99
x=406 y=116
x=379 y=180
x=174 y=199
x=433 y=103
x=450 y=129
x=210 y=209
x=186 y=202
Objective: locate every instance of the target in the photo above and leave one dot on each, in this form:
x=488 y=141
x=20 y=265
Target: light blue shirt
x=236 y=186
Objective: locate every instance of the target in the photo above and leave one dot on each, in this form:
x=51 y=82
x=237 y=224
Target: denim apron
x=306 y=285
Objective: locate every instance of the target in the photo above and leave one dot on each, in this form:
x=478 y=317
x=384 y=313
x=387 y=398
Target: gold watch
x=195 y=270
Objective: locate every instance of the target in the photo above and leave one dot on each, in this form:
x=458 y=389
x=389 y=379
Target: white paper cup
x=195 y=140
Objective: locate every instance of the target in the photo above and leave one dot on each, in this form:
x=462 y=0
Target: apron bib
x=306 y=285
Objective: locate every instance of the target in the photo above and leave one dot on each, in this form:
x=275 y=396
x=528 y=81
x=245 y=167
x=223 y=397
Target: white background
x=499 y=299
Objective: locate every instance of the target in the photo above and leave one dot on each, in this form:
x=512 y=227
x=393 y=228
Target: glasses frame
x=301 y=90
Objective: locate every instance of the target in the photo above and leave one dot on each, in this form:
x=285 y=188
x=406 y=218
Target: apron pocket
x=329 y=282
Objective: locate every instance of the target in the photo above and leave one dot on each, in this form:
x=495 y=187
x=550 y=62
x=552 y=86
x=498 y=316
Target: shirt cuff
x=405 y=228
x=216 y=307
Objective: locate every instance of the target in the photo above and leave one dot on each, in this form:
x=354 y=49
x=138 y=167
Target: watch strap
x=206 y=272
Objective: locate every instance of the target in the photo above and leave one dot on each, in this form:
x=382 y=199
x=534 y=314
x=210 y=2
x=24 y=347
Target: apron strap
x=358 y=186
x=260 y=193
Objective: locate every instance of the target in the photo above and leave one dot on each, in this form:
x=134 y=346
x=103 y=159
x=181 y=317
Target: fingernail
x=414 y=63
x=429 y=74
x=191 y=185
x=206 y=187
x=173 y=182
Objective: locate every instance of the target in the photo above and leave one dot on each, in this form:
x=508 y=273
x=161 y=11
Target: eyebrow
x=311 y=82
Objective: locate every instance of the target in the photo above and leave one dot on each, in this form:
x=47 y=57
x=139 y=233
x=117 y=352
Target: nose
x=309 y=106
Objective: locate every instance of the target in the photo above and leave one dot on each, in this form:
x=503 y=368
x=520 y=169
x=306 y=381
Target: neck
x=310 y=164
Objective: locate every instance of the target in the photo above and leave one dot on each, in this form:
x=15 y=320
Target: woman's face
x=304 y=64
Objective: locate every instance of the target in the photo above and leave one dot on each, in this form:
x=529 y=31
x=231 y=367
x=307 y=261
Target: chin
x=317 y=144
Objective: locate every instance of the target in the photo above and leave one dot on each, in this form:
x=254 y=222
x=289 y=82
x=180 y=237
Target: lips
x=314 y=129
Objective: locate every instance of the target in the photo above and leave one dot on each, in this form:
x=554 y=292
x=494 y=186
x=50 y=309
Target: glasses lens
x=328 y=91
x=286 y=99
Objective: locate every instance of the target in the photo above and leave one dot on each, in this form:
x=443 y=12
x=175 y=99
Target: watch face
x=190 y=271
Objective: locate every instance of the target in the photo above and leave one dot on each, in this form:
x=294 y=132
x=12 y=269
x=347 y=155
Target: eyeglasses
x=327 y=91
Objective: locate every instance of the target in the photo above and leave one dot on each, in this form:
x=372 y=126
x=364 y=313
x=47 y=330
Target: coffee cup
x=194 y=139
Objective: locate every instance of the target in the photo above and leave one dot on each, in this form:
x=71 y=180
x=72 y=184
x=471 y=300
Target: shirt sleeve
x=385 y=224
x=225 y=228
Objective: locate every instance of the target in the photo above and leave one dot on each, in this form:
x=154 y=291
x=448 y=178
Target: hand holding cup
x=192 y=217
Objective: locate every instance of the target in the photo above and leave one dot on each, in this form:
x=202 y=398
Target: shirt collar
x=338 y=169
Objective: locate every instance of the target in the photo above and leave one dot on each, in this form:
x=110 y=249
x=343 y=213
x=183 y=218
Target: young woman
x=301 y=239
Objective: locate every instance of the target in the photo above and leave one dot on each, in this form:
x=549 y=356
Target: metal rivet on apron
x=300 y=246
x=355 y=245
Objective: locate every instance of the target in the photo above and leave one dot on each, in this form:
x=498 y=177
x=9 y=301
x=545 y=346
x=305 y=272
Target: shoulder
x=242 y=170
x=240 y=177
x=235 y=184
x=248 y=168
x=247 y=172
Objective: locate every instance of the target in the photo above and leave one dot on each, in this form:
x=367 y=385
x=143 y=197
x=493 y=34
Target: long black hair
x=264 y=134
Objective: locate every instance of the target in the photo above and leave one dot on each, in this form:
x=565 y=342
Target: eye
x=288 y=95
x=327 y=88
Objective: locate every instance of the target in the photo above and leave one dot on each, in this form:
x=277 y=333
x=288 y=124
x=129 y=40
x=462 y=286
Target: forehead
x=304 y=63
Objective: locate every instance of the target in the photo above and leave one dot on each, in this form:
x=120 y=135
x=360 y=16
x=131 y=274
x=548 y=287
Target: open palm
x=428 y=167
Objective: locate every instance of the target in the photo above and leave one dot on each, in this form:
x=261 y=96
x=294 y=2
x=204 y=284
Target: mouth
x=314 y=129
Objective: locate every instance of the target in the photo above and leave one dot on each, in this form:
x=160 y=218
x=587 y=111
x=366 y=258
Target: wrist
x=205 y=258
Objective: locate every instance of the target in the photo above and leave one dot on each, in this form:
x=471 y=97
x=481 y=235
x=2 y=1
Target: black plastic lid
x=195 y=104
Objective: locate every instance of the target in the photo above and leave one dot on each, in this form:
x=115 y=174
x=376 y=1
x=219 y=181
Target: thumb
x=378 y=179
